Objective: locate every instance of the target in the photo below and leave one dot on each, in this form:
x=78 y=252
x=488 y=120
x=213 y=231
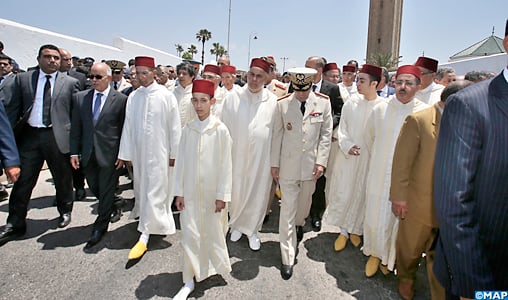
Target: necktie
x=115 y=85
x=302 y=107
x=97 y=108
x=314 y=87
x=1 y=79
x=46 y=102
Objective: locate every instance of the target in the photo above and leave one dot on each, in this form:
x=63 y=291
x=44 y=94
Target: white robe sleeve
x=225 y=169
x=180 y=165
x=345 y=141
x=126 y=143
x=174 y=127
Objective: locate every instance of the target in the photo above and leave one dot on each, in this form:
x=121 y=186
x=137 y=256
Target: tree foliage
x=203 y=35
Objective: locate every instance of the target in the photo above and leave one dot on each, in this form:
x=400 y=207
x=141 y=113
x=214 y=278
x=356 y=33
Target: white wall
x=23 y=42
x=493 y=63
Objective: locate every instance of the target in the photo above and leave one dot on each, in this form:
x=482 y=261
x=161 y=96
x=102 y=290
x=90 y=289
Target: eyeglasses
x=406 y=83
x=98 y=77
x=117 y=72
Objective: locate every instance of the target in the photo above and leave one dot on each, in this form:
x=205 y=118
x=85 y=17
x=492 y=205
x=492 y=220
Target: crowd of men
x=406 y=165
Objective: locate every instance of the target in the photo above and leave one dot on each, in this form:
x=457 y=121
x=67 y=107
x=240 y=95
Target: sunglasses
x=98 y=77
x=117 y=72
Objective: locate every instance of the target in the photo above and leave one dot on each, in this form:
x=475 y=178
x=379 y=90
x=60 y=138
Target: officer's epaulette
x=284 y=97
x=322 y=95
x=280 y=85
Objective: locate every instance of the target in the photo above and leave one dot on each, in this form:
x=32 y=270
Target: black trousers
x=36 y=146
x=102 y=182
x=78 y=179
x=318 y=199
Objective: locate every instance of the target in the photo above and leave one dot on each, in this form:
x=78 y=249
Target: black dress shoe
x=95 y=238
x=9 y=233
x=299 y=233
x=115 y=215
x=65 y=219
x=316 y=223
x=286 y=271
x=79 y=195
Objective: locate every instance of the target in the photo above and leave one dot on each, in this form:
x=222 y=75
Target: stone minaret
x=385 y=17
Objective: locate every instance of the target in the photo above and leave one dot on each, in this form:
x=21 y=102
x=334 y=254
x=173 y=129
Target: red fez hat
x=228 y=69
x=427 y=63
x=349 y=68
x=144 y=61
x=203 y=86
x=260 y=63
x=409 y=69
x=372 y=70
x=330 y=66
x=212 y=69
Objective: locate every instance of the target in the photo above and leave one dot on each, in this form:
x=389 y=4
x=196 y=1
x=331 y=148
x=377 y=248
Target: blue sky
x=335 y=29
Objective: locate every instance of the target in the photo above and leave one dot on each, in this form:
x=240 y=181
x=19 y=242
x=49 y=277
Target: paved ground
x=49 y=262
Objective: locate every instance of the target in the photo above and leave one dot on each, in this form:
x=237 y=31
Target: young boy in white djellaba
x=203 y=175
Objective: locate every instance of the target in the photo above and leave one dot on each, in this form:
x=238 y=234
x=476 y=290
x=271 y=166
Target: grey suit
x=37 y=145
x=471 y=190
x=98 y=146
x=7 y=88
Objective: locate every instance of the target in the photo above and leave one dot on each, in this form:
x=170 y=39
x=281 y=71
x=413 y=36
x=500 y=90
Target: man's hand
x=12 y=173
x=219 y=205
x=119 y=164
x=75 y=162
x=399 y=209
x=180 y=205
x=355 y=150
x=275 y=174
x=318 y=171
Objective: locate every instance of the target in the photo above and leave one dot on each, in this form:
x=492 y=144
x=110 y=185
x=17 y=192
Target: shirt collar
x=505 y=73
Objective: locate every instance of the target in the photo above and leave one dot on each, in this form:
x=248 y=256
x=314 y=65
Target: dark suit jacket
x=84 y=83
x=331 y=90
x=103 y=139
x=7 y=88
x=471 y=190
x=8 y=151
x=61 y=103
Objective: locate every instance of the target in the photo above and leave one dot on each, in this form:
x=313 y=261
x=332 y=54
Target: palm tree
x=186 y=55
x=179 y=49
x=192 y=50
x=218 y=50
x=384 y=60
x=203 y=35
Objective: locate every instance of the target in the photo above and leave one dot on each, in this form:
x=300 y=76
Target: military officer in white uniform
x=300 y=146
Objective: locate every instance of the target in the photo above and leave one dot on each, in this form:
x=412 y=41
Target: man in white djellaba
x=346 y=200
x=150 y=138
x=248 y=114
x=382 y=130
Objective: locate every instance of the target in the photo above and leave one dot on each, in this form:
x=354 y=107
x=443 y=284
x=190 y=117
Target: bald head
x=65 y=61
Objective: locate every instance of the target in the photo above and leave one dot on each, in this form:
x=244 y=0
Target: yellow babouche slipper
x=138 y=250
x=355 y=239
x=384 y=269
x=340 y=243
x=372 y=266
x=278 y=193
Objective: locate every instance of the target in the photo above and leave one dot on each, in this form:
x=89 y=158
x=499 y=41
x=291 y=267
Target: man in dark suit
x=78 y=178
x=331 y=90
x=42 y=103
x=9 y=156
x=470 y=189
x=97 y=122
x=6 y=87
